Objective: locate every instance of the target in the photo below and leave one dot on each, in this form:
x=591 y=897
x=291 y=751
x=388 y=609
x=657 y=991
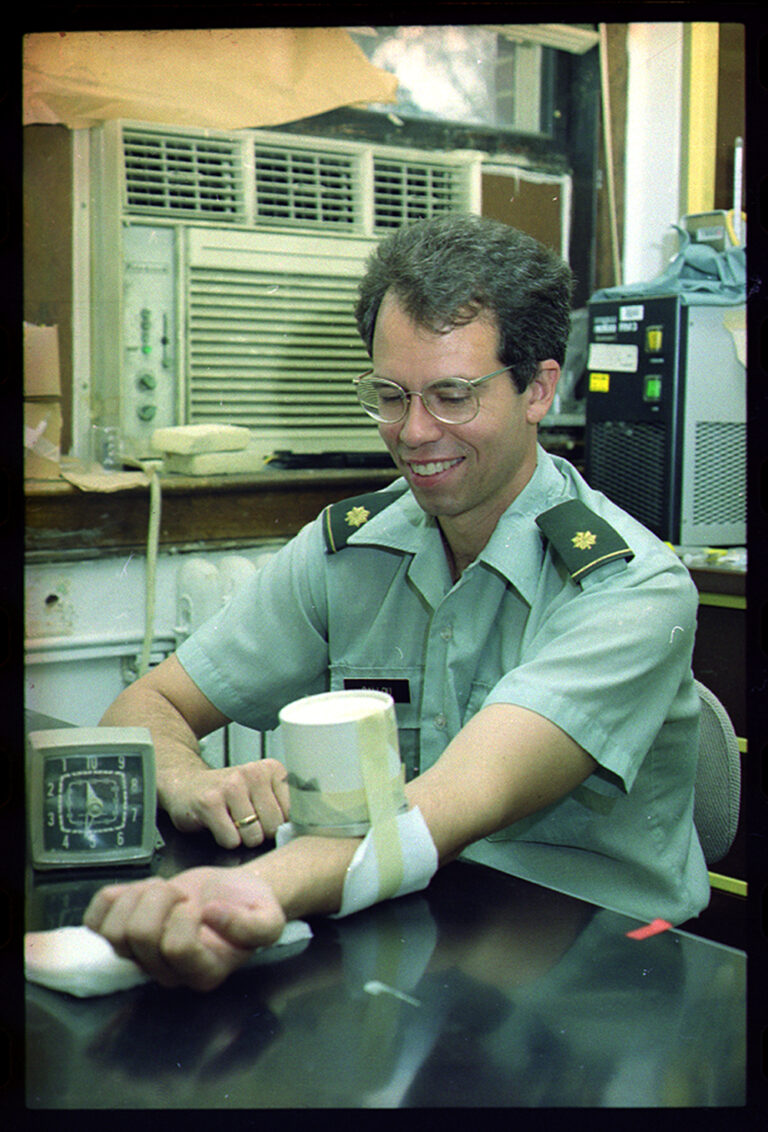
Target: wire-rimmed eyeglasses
x=450 y=400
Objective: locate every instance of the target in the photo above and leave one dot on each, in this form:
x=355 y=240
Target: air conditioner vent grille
x=306 y=188
x=275 y=352
x=406 y=190
x=184 y=176
x=244 y=180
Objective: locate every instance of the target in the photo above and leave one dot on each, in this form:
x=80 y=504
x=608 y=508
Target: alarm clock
x=91 y=797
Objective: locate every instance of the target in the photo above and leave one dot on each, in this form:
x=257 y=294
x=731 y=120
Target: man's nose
x=419 y=426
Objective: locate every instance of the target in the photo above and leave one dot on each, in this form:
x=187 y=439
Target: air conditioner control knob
x=146 y=412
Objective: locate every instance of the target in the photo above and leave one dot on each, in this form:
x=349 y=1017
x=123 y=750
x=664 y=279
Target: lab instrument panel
x=666 y=415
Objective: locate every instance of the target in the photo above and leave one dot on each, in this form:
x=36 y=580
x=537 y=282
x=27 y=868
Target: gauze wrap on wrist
x=397 y=856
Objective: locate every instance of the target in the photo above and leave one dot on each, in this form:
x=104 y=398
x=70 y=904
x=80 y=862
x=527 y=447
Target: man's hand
x=220 y=799
x=193 y=930
x=241 y=805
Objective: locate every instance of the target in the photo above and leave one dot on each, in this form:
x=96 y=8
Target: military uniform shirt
x=606 y=657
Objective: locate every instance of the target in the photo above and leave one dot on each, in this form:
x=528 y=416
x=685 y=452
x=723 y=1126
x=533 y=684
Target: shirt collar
x=400 y=526
x=515 y=549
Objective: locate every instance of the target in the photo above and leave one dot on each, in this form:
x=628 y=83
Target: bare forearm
x=526 y=763
x=177 y=750
x=177 y=714
x=307 y=875
x=506 y=763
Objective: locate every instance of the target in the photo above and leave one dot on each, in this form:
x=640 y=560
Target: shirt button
x=447 y=633
x=440 y=722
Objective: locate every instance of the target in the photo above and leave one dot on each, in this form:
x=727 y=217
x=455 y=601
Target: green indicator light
x=146 y=349
x=652 y=391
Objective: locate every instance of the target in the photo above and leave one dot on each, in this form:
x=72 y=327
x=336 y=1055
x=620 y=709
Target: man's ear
x=541 y=391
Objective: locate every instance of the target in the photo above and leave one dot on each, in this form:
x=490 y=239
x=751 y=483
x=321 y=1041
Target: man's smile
x=432 y=467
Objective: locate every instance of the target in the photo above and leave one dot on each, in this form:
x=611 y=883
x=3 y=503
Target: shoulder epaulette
x=583 y=540
x=342 y=519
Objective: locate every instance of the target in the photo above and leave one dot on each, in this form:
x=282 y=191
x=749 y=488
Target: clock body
x=91 y=797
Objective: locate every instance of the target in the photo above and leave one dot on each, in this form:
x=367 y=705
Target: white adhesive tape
x=372 y=875
x=371 y=878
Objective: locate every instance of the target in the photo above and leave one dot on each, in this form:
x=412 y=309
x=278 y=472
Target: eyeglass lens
x=453 y=400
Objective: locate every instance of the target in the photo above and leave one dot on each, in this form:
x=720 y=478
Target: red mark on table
x=654 y=928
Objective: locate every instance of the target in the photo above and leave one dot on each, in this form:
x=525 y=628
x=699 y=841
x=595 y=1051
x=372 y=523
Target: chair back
x=718 y=779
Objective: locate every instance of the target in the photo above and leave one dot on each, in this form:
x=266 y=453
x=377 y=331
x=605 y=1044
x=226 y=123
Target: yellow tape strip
x=724 y=601
x=342 y=807
x=377 y=734
x=728 y=884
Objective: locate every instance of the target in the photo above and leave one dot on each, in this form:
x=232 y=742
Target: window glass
x=466 y=74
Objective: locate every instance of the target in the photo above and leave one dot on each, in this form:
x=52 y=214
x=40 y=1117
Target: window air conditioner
x=223 y=274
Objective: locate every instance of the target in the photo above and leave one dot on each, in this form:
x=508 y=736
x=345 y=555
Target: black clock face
x=93 y=803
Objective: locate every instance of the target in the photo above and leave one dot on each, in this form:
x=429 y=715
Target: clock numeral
x=92 y=763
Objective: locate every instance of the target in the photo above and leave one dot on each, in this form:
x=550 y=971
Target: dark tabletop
x=482 y=991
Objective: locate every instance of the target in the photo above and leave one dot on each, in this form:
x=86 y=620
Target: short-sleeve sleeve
x=268 y=646
x=607 y=660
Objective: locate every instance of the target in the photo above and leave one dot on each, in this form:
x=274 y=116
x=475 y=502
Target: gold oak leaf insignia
x=356 y=516
x=584 y=540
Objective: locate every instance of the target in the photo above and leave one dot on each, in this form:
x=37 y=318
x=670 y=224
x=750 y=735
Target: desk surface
x=491 y=992
x=61 y=519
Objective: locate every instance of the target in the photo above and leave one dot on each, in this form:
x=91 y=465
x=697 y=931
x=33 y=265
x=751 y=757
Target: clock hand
x=94 y=806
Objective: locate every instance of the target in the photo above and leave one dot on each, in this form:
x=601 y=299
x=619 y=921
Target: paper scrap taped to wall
x=735 y=322
x=216 y=78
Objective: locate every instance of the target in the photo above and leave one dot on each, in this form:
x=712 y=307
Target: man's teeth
x=433 y=468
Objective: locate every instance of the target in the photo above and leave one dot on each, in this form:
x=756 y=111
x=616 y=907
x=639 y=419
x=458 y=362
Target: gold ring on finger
x=247 y=821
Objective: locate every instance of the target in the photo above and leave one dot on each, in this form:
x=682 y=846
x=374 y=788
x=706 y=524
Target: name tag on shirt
x=398 y=688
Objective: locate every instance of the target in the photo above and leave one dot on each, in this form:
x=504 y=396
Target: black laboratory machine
x=666 y=406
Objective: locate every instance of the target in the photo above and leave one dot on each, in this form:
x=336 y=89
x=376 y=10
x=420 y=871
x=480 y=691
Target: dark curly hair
x=448 y=270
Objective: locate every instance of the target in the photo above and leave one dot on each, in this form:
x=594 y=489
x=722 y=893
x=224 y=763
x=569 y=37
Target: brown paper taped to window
x=214 y=78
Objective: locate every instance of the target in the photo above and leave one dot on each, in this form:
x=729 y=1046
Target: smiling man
x=466 y=447
x=537 y=639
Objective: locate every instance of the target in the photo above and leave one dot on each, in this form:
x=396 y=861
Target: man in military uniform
x=537 y=639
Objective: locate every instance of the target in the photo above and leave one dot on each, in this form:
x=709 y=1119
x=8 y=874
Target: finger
x=245 y=797
x=100 y=904
x=109 y=913
x=215 y=807
x=199 y=957
x=245 y=927
x=136 y=922
x=282 y=793
x=269 y=794
x=278 y=784
x=270 y=814
x=243 y=805
x=250 y=828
